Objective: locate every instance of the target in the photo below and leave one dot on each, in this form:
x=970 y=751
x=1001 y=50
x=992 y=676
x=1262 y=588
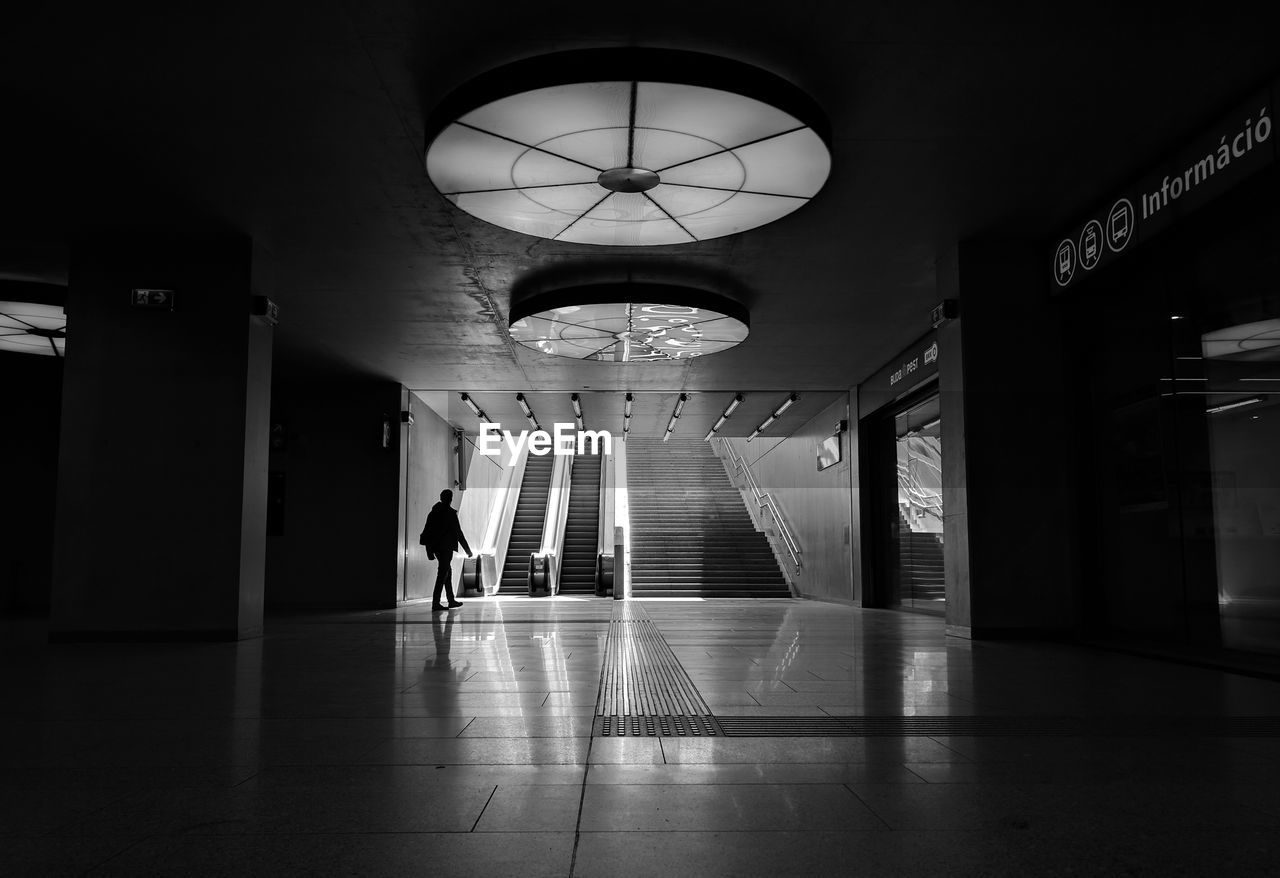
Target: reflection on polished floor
x=398 y=743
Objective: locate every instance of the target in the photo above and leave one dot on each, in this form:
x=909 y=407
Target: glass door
x=918 y=581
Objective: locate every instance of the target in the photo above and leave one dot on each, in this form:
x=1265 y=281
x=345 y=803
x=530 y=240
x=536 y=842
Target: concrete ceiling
x=301 y=124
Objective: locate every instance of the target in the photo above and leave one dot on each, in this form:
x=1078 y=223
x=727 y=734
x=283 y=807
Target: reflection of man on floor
x=442 y=535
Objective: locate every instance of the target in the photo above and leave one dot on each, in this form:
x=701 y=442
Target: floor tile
x=516 y=808
x=540 y=855
x=696 y=807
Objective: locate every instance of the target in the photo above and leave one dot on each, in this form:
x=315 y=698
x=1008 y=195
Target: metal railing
x=764 y=501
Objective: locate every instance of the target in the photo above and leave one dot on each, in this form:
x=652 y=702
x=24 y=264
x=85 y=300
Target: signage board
x=916 y=363
x=1238 y=145
x=154 y=299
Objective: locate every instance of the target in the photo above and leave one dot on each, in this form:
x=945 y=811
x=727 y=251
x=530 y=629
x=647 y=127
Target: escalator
x=582 y=527
x=526 y=528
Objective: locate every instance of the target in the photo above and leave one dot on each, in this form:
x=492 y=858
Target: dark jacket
x=442 y=532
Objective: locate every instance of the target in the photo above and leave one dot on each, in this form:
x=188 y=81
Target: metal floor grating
x=656 y=726
x=644 y=691
x=1000 y=726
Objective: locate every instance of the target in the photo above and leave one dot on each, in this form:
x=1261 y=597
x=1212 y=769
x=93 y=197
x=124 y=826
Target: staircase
x=691 y=535
x=582 y=527
x=920 y=565
x=526 y=528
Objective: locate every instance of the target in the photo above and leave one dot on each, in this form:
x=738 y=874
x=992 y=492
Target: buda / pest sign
x=1238 y=145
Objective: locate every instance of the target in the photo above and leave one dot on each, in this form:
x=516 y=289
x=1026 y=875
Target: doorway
x=908 y=510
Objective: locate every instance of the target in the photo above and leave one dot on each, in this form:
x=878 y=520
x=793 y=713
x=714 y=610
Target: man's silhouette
x=442 y=536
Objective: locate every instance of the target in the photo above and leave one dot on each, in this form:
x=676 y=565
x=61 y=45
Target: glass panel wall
x=1180 y=450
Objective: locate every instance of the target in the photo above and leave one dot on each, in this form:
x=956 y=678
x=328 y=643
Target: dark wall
x=31 y=400
x=336 y=538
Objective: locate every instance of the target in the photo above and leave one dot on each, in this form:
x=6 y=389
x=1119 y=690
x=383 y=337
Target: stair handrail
x=764 y=501
x=492 y=554
x=552 y=548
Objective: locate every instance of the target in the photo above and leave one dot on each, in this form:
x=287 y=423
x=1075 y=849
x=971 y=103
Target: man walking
x=442 y=535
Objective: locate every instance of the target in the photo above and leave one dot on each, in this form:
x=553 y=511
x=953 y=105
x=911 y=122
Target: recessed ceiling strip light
x=658 y=147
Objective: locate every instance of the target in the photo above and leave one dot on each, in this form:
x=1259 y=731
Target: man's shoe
x=435 y=608
x=454 y=604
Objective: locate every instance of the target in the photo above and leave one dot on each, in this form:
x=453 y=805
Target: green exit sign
x=155 y=299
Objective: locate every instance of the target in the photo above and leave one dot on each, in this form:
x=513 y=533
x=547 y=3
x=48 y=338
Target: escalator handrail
x=497 y=537
x=553 y=522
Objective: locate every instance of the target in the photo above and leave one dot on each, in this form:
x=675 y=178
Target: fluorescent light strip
x=786 y=404
x=675 y=416
x=577 y=411
x=777 y=413
x=1240 y=403
x=528 y=412
x=471 y=404
x=724 y=416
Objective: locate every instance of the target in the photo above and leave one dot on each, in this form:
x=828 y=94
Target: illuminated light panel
x=1247 y=341
x=659 y=324
x=30 y=328
x=635 y=160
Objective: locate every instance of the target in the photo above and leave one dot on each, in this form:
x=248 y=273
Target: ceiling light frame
x=655 y=147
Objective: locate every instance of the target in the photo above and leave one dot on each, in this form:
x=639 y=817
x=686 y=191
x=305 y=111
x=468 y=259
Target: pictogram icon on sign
x=1090 y=245
x=1064 y=262
x=1119 y=225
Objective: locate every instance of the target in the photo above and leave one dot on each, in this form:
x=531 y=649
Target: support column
x=1010 y=544
x=162 y=483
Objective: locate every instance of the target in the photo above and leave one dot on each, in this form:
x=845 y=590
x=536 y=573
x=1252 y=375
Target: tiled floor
x=400 y=744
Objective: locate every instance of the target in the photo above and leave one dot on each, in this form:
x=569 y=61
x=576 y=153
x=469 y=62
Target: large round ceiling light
x=629 y=323
x=660 y=147
x=31 y=328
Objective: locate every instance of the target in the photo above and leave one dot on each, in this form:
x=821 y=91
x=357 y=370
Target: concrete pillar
x=1007 y=456
x=162 y=484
